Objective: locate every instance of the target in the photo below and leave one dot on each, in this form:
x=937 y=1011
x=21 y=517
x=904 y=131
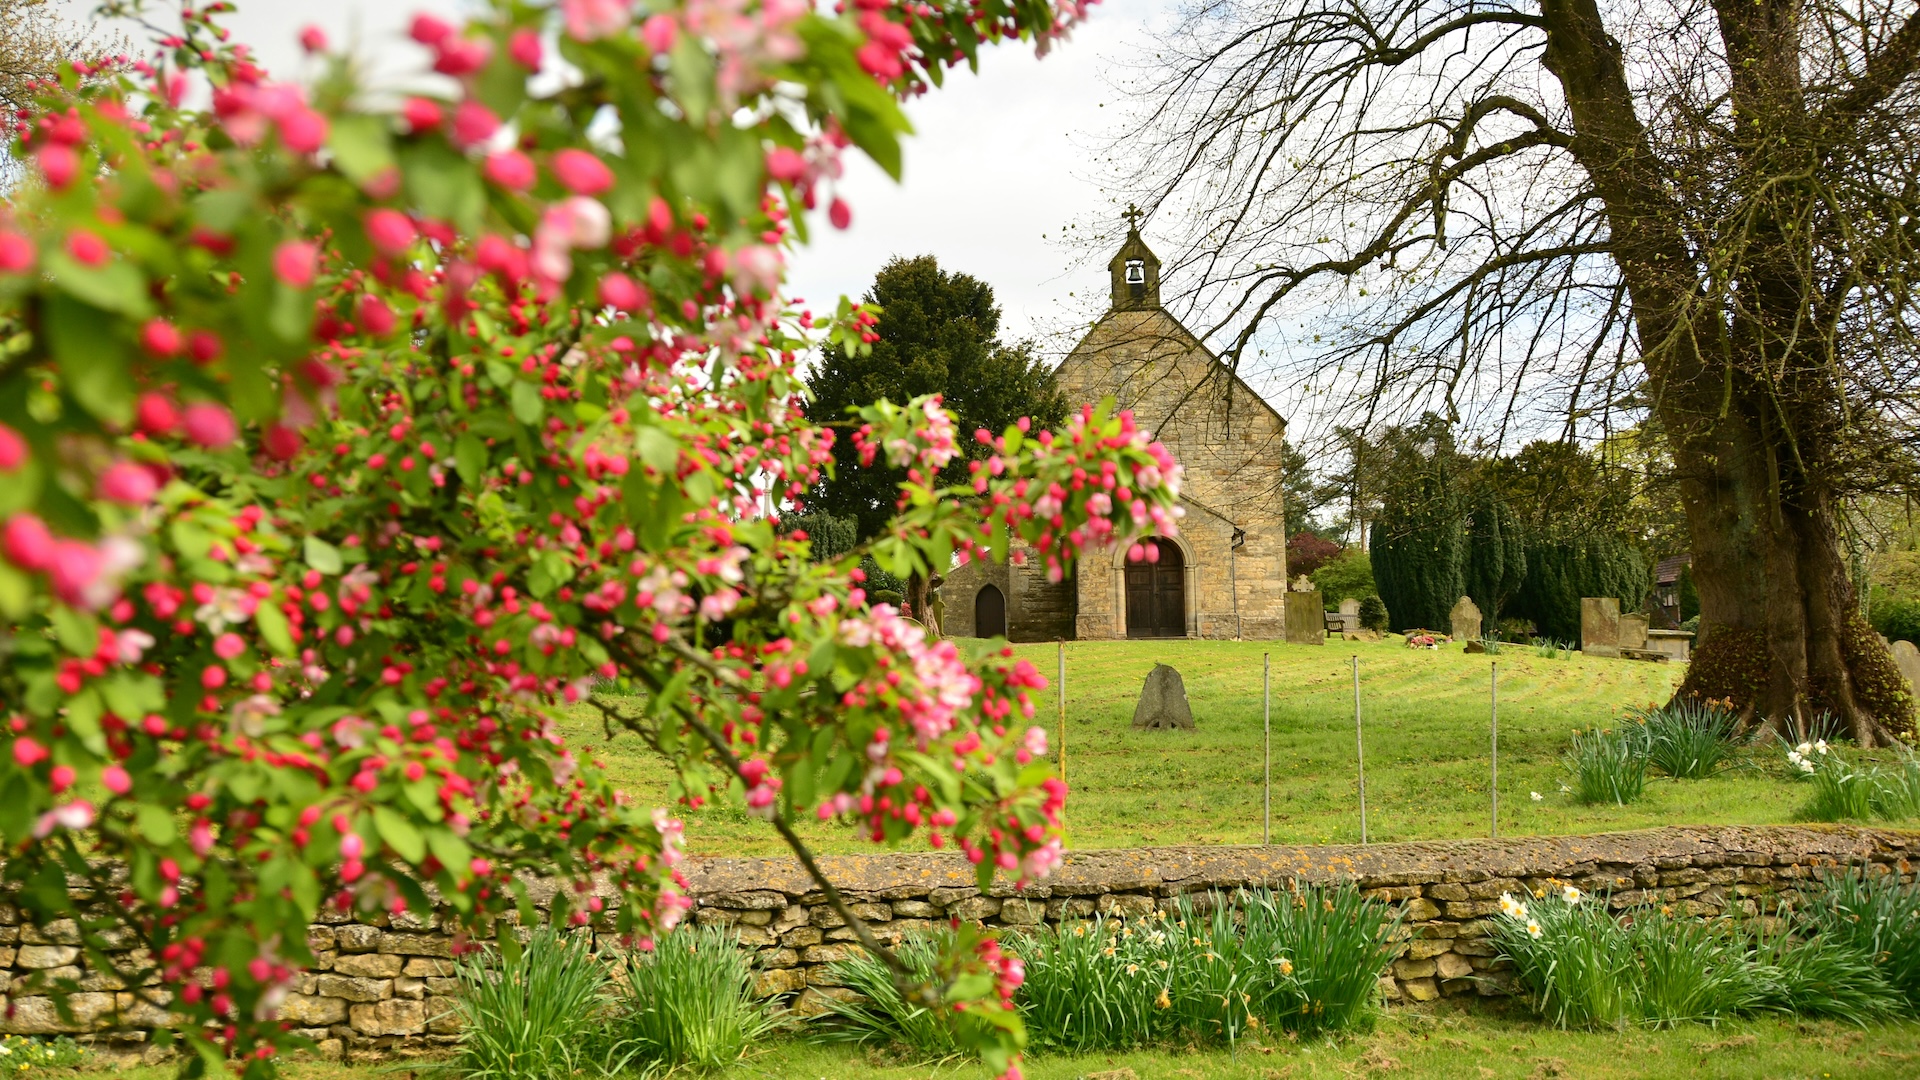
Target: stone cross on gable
x=1133 y=216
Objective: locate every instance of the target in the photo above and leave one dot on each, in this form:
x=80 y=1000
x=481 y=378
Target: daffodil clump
x=1219 y=970
x=20 y=1054
x=1585 y=964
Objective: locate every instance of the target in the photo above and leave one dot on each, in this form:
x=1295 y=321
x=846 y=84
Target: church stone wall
x=1229 y=442
x=1037 y=609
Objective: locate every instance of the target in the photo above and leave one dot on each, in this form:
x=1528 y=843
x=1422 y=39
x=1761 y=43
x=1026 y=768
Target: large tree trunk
x=1782 y=635
x=1781 y=631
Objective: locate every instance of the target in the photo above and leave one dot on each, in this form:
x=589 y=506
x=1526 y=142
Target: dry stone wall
x=384 y=985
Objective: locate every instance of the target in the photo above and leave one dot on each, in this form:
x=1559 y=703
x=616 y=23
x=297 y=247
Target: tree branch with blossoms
x=343 y=448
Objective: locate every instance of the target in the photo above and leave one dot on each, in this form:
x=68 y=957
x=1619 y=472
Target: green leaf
x=658 y=449
x=75 y=630
x=93 y=360
x=528 y=405
x=117 y=286
x=470 y=458
x=83 y=719
x=361 y=146
x=444 y=184
x=272 y=624
x=16 y=593
x=323 y=556
x=453 y=852
x=400 y=834
x=155 y=823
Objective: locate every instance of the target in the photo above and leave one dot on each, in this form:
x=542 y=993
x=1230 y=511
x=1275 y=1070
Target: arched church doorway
x=989 y=612
x=1156 y=591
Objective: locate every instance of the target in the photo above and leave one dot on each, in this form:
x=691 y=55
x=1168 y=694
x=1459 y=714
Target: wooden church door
x=1157 y=594
x=989 y=612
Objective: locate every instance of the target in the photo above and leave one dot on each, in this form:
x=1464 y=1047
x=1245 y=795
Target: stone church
x=1225 y=574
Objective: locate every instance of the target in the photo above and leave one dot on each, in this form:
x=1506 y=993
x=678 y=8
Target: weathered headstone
x=1600 y=626
x=1464 y=620
x=1907 y=659
x=1163 y=701
x=1349 y=615
x=1306 y=618
x=1633 y=632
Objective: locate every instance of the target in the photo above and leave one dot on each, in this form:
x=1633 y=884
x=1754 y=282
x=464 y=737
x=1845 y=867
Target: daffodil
x=1533 y=928
x=1571 y=895
x=1286 y=966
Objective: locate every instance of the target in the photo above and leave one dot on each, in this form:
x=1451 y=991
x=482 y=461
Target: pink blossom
x=313 y=39
x=390 y=231
x=229 y=645
x=660 y=32
x=209 y=425
x=617 y=290
x=422 y=114
x=27 y=752
x=155 y=415
x=303 y=131
x=128 y=483
x=581 y=172
x=58 y=163
x=87 y=248
x=510 y=169
x=27 y=543
x=77 y=814
x=839 y=213
x=590 y=19
x=295 y=262
x=76 y=567
x=16 y=253
x=13 y=450
x=473 y=124
x=525 y=49
x=115 y=779
x=376 y=318
x=786 y=164
x=429 y=30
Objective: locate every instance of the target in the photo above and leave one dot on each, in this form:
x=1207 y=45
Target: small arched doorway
x=1156 y=591
x=989 y=612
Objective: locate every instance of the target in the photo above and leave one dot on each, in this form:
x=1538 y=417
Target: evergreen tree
x=938 y=334
x=1496 y=551
x=1419 y=539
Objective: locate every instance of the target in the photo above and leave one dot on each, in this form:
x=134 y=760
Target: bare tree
x=1545 y=214
x=35 y=41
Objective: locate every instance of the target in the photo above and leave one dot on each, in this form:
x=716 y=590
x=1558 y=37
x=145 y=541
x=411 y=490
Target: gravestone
x=1907 y=659
x=1633 y=632
x=1464 y=620
x=1349 y=615
x=1600 y=626
x=1306 y=616
x=1163 y=701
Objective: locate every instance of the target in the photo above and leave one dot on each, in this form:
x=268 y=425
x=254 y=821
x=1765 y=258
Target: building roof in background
x=1667 y=570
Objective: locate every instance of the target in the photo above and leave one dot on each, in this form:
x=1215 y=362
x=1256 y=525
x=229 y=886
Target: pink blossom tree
x=341 y=446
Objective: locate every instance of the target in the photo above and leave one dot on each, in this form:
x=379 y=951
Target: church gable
x=1224 y=575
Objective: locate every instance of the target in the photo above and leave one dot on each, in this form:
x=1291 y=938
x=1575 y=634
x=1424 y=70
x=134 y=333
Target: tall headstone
x=1306 y=618
x=1907 y=659
x=1464 y=620
x=1163 y=701
x=1600 y=626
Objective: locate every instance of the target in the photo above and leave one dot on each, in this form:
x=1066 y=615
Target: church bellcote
x=1135 y=271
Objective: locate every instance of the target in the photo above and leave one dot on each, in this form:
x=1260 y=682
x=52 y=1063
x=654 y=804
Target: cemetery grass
x=1442 y=1043
x=1425 y=715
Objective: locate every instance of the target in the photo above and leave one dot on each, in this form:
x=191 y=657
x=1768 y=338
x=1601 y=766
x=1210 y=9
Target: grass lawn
x=1441 y=1045
x=1426 y=718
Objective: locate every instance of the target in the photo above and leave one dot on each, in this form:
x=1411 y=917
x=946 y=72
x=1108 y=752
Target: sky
x=1000 y=163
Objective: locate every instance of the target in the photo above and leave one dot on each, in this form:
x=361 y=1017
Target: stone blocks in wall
x=386 y=987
